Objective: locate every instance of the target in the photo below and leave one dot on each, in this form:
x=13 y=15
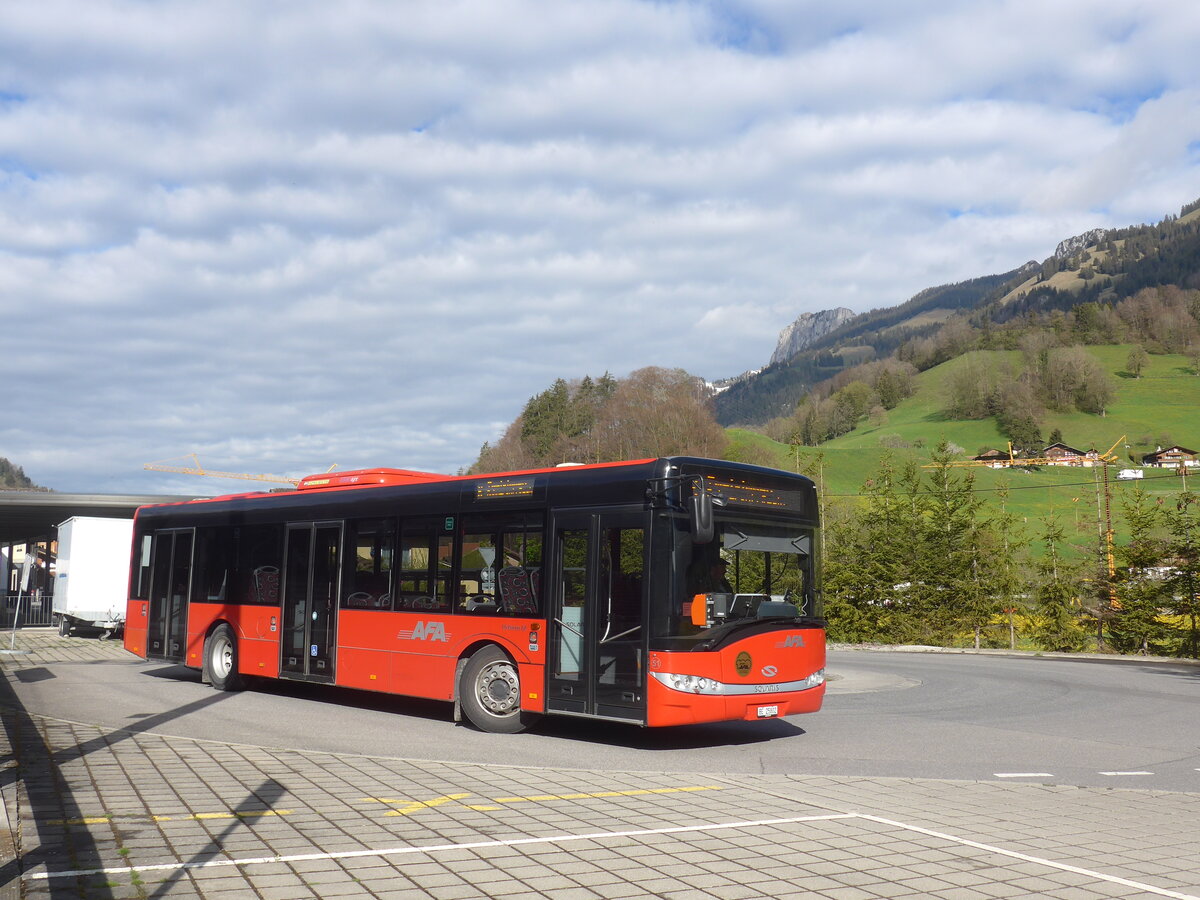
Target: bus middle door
x=595 y=652
x=310 y=592
x=170 y=587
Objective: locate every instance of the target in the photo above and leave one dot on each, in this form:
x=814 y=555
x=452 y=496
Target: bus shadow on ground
x=564 y=728
x=676 y=737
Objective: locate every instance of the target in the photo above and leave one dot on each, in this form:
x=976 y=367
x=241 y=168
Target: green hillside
x=1162 y=407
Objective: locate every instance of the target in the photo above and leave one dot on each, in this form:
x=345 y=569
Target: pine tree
x=545 y=419
x=952 y=593
x=1140 y=594
x=865 y=561
x=1056 y=594
x=1004 y=565
x=1182 y=589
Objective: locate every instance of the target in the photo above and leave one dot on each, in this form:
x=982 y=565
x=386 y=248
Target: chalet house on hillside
x=997 y=459
x=1060 y=454
x=1171 y=458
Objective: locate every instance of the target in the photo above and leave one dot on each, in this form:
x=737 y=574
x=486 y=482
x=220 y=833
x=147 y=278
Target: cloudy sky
x=286 y=236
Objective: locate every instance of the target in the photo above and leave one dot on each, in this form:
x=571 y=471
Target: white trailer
x=92 y=576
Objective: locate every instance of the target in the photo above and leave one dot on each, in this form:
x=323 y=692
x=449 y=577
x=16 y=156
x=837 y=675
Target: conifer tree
x=1141 y=595
x=1004 y=568
x=949 y=587
x=1183 y=586
x=1056 y=593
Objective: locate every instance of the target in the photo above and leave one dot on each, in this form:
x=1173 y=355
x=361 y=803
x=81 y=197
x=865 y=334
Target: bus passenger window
x=423 y=576
x=477 y=575
x=500 y=565
x=520 y=578
x=260 y=554
x=214 y=559
x=369 y=564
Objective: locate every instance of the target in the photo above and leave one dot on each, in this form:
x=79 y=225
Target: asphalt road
x=900 y=714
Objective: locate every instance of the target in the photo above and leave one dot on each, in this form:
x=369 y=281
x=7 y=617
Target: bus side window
x=422 y=582
x=214 y=559
x=521 y=576
x=368 y=576
x=260 y=554
x=477 y=574
x=141 y=582
x=500 y=564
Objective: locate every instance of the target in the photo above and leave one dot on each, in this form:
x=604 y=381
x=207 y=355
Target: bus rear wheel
x=221 y=659
x=490 y=693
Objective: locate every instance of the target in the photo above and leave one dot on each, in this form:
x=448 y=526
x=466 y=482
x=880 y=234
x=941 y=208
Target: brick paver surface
x=97 y=814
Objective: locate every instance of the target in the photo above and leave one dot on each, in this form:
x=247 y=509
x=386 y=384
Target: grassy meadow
x=1162 y=407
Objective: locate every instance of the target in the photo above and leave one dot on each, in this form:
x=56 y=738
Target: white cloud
x=349 y=234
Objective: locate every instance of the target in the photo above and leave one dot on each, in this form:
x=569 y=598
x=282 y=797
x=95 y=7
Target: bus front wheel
x=490 y=693
x=221 y=659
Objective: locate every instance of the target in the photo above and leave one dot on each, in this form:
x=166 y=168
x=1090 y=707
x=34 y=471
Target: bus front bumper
x=688 y=700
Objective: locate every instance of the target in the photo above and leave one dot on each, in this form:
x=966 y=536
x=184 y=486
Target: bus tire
x=221 y=660
x=490 y=693
x=64 y=626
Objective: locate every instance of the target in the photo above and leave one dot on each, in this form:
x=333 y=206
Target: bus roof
x=498 y=484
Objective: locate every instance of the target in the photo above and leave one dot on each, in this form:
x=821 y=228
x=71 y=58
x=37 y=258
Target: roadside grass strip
x=135 y=871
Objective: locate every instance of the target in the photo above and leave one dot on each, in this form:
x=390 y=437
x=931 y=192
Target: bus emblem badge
x=743 y=664
x=425 y=631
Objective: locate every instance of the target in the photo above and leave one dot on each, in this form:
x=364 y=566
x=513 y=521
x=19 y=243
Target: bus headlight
x=693 y=684
x=700 y=684
x=817 y=677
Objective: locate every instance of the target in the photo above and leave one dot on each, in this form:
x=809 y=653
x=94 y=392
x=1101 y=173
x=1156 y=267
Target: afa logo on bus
x=425 y=631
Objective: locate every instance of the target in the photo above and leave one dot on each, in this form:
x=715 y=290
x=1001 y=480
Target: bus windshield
x=750 y=572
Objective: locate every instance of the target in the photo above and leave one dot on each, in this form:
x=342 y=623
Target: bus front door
x=310 y=591
x=596 y=634
x=170 y=585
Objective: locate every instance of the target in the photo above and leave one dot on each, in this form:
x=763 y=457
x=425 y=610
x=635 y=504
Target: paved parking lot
x=98 y=813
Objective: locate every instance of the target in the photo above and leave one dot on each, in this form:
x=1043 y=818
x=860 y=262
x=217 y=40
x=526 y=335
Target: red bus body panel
x=137 y=626
x=256 y=628
x=777 y=649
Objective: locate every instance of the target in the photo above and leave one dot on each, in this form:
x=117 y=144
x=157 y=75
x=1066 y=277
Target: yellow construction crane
x=1106 y=457
x=198 y=469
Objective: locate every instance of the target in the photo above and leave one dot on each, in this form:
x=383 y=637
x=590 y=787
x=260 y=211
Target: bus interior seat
x=516 y=591
x=266 y=584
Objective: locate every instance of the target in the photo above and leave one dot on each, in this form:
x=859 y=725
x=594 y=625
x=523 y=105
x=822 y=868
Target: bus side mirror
x=700 y=508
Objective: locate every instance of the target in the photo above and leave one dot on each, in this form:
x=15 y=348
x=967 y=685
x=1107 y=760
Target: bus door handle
x=568 y=627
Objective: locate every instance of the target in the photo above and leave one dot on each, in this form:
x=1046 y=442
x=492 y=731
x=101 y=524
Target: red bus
x=656 y=592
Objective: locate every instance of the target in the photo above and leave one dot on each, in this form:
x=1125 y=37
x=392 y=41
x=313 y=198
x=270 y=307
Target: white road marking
x=1023 y=774
x=602 y=835
x=1126 y=773
x=403 y=851
x=1024 y=857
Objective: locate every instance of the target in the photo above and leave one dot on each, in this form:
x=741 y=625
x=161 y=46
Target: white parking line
x=602 y=835
x=1126 y=773
x=1024 y=857
x=436 y=848
x=1023 y=774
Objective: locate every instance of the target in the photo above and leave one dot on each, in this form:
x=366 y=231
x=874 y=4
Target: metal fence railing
x=36 y=610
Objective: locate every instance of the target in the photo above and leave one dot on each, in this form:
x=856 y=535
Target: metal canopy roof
x=35 y=515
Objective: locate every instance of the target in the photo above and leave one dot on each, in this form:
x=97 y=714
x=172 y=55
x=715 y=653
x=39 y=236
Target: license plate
x=765 y=712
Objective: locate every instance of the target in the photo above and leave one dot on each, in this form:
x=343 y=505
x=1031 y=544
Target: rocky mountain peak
x=1071 y=246
x=806 y=330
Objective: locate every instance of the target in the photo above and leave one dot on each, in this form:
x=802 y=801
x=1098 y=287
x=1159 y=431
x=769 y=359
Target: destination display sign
x=742 y=493
x=509 y=488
